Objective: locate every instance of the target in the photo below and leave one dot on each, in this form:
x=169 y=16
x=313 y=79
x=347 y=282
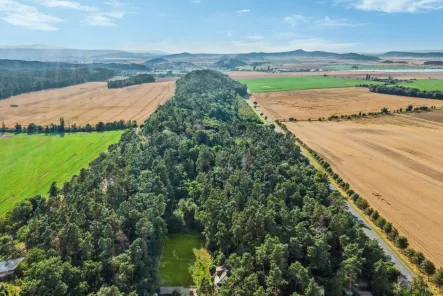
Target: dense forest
x=17 y=77
x=134 y=80
x=197 y=164
x=406 y=91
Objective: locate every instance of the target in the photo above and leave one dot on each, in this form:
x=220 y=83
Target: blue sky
x=225 y=26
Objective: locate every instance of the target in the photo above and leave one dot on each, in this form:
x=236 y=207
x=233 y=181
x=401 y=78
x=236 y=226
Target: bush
x=401 y=242
x=375 y=215
x=362 y=203
x=369 y=211
x=387 y=228
x=380 y=222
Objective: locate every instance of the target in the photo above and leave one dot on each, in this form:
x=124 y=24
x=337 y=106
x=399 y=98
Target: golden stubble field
x=86 y=103
x=396 y=163
x=316 y=103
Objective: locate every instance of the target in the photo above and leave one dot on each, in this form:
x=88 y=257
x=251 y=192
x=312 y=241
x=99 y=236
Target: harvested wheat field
x=86 y=103
x=396 y=163
x=316 y=103
x=436 y=115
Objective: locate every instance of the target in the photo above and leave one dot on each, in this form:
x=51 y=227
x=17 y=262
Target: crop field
x=396 y=163
x=427 y=85
x=436 y=115
x=374 y=67
x=177 y=256
x=299 y=83
x=86 y=103
x=316 y=103
x=29 y=164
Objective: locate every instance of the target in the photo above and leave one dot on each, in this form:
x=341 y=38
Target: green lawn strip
x=424 y=84
x=30 y=163
x=177 y=256
x=300 y=83
x=372 y=67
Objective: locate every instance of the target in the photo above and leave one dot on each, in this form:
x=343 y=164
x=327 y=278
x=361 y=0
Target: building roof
x=6 y=267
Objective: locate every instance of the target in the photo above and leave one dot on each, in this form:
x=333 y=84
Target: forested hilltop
x=197 y=165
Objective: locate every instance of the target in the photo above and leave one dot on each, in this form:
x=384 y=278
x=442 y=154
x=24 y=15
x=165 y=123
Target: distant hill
x=229 y=63
x=184 y=55
x=358 y=57
x=156 y=61
x=403 y=54
x=299 y=53
x=51 y=54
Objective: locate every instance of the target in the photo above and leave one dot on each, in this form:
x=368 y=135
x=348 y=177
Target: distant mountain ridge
x=299 y=53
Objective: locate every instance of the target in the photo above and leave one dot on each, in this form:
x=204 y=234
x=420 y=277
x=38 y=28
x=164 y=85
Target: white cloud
x=243 y=11
x=294 y=20
x=27 y=16
x=115 y=3
x=255 y=37
x=328 y=22
x=103 y=19
x=65 y=4
x=393 y=6
x=195 y=1
x=227 y=33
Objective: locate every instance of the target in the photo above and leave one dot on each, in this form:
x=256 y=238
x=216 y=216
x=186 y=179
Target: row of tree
x=63 y=128
x=406 y=91
x=401 y=242
x=134 y=80
x=195 y=165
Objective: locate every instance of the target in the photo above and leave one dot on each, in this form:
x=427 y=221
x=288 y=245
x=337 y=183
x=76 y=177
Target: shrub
x=369 y=211
x=427 y=267
x=393 y=234
x=387 y=228
x=401 y=242
x=380 y=222
x=362 y=203
x=418 y=258
x=375 y=215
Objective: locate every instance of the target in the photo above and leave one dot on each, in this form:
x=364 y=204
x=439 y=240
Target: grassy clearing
x=299 y=83
x=176 y=258
x=246 y=112
x=427 y=85
x=30 y=163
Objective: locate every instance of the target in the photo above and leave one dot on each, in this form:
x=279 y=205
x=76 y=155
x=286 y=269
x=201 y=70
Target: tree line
x=63 y=128
x=196 y=165
x=406 y=91
x=134 y=80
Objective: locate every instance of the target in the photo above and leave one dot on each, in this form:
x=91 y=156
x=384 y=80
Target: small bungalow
x=221 y=275
x=8 y=267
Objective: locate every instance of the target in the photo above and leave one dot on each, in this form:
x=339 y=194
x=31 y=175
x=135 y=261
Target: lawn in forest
x=299 y=83
x=425 y=84
x=30 y=163
x=177 y=256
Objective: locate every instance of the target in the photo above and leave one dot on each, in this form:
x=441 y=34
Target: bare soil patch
x=316 y=103
x=396 y=163
x=86 y=103
x=350 y=74
x=436 y=115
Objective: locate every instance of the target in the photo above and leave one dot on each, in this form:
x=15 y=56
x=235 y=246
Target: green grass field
x=30 y=163
x=176 y=257
x=373 y=67
x=423 y=84
x=299 y=83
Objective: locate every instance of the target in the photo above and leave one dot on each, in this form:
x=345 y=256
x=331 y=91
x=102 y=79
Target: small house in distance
x=221 y=275
x=7 y=268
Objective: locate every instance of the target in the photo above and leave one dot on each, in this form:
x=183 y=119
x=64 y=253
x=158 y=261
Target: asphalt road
x=407 y=274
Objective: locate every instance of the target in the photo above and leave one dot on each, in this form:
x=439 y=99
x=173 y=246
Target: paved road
x=407 y=274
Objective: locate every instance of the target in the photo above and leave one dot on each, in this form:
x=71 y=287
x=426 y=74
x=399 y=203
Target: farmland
x=316 y=103
x=396 y=163
x=177 y=256
x=299 y=83
x=427 y=85
x=86 y=103
x=29 y=164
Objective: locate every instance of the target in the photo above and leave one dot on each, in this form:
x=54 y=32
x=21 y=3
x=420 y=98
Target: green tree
x=427 y=267
x=313 y=289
